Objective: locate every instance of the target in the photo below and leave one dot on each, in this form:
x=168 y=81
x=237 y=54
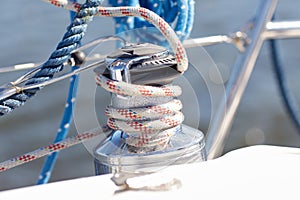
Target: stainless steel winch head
x=144 y=64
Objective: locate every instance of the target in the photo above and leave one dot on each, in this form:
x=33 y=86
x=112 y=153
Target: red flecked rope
x=49 y=149
x=156 y=20
x=148 y=126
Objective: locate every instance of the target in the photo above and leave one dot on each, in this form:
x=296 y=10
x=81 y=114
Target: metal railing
x=262 y=29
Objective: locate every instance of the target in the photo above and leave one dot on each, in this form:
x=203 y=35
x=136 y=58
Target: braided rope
x=54 y=64
x=123 y=88
x=64 y=127
x=66 y=143
x=158 y=22
x=69 y=5
x=145 y=113
x=146 y=14
x=148 y=126
x=178 y=13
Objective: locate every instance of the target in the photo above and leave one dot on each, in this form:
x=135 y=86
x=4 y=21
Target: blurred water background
x=30 y=30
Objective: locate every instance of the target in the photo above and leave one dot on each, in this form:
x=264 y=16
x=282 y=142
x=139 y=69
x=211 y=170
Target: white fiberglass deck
x=258 y=172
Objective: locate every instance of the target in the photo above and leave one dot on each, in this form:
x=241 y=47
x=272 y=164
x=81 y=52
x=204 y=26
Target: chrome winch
x=147 y=130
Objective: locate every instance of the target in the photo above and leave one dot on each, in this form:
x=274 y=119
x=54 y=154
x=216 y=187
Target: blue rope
x=62 y=132
x=178 y=13
x=54 y=64
x=287 y=97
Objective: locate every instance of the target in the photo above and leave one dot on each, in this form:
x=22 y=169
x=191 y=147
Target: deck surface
x=257 y=172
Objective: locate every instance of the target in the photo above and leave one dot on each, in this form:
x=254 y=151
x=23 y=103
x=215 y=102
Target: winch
x=145 y=114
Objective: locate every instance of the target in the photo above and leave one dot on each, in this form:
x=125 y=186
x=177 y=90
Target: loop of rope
x=158 y=22
x=123 y=88
x=148 y=112
x=149 y=126
x=178 y=13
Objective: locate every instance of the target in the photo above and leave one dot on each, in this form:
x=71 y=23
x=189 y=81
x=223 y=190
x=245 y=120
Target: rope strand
x=41 y=152
x=62 y=132
x=178 y=13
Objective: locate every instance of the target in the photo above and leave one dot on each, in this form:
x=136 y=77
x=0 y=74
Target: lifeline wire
x=62 y=132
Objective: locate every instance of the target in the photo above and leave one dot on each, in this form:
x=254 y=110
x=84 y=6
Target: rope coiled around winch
x=149 y=126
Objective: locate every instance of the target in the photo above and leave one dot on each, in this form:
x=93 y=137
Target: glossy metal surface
x=237 y=83
x=274 y=30
x=206 y=41
x=282 y=30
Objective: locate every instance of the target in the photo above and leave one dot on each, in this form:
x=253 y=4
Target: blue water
x=30 y=30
